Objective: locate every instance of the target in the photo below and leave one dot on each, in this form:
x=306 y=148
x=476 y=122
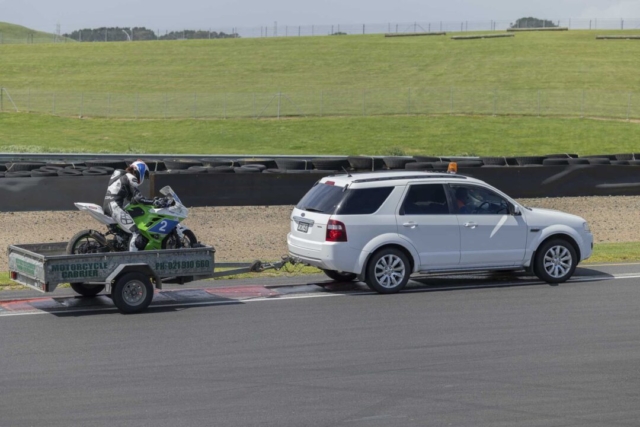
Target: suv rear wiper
x=312 y=210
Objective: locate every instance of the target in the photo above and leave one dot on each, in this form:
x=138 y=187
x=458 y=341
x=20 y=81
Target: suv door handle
x=471 y=224
x=410 y=224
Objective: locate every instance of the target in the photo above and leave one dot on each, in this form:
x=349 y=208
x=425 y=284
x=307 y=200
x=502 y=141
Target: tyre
x=634 y=162
x=115 y=164
x=469 y=164
x=221 y=169
x=330 y=164
x=626 y=156
x=293 y=164
x=388 y=271
x=419 y=166
x=180 y=164
x=397 y=162
x=87 y=290
x=195 y=169
x=3 y=168
x=555 y=162
x=244 y=170
x=19 y=174
x=23 y=166
x=529 y=160
x=340 y=276
x=267 y=163
x=69 y=172
x=364 y=163
x=555 y=261
x=132 y=293
x=87 y=242
x=427 y=159
x=620 y=162
x=324 y=172
x=76 y=168
x=50 y=168
x=188 y=240
x=561 y=156
x=579 y=161
x=255 y=166
x=107 y=169
x=598 y=161
x=440 y=166
x=39 y=173
x=94 y=172
x=600 y=156
x=494 y=161
x=214 y=162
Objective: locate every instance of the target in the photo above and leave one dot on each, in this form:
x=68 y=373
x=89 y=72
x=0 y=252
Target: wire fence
x=366 y=102
x=280 y=30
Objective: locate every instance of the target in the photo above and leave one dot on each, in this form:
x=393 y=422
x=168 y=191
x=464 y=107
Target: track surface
x=462 y=351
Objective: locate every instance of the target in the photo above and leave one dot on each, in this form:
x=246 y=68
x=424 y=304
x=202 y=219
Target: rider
x=123 y=189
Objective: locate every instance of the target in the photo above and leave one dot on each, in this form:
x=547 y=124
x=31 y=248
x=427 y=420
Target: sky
x=44 y=15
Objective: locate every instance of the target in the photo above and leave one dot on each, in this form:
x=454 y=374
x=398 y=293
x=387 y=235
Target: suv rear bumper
x=327 y=256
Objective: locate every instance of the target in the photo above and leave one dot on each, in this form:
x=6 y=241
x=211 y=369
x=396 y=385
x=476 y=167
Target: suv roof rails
x=393 y=178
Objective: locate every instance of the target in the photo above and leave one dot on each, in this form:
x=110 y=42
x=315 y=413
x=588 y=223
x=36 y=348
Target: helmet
x=139 y=170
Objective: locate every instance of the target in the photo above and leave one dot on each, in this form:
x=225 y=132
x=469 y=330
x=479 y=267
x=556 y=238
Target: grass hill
x=534 y=60
x=571 y=60
x=11 y=33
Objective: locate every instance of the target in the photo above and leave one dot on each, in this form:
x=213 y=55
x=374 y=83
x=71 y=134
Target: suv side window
x=363 y=201
x=425 y=199
x=473 y=200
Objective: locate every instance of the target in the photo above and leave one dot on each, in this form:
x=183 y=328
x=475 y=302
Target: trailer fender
x=126 y=268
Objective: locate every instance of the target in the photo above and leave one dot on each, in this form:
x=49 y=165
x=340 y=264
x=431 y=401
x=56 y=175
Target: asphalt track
x=460 y=351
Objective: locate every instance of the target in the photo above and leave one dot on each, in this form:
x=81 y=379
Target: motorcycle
x=158 y=224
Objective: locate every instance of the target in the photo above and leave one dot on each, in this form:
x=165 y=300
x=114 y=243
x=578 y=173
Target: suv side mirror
x=515 y=210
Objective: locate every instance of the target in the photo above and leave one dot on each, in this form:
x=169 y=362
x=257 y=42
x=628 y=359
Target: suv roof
x=386 y=176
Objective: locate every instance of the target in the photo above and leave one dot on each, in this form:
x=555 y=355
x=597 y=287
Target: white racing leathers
x=123 y=189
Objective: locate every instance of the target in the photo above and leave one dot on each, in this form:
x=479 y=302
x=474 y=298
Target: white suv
x=382 y=227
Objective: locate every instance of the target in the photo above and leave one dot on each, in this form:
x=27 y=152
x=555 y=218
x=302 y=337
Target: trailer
x=129 y=278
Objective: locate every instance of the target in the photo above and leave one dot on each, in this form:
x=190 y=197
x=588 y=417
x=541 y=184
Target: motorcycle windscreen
x=168 y=191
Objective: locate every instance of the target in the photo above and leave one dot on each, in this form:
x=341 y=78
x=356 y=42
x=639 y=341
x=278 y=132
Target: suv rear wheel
x=388 y=271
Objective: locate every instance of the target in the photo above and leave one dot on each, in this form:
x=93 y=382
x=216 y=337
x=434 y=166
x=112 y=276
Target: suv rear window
x=331 y=199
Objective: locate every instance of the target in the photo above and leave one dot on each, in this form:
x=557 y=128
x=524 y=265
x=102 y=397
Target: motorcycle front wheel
x=87 y=242
x=173 y=241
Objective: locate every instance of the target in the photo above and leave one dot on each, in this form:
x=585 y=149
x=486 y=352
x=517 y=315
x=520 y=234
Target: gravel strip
x=247 y=233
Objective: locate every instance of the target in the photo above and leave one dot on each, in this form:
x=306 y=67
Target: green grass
x=442 y=135
x=11 y=33
x=533 y=60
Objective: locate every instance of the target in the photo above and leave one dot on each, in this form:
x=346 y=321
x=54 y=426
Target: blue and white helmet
x=139 y=170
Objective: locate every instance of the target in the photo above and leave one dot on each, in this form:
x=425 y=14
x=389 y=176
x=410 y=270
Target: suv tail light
x=336 y=231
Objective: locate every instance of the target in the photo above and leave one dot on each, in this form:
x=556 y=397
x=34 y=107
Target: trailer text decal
x=25 y=267
x=89 y=269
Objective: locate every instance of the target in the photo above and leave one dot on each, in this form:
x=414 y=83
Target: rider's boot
x=132 y=243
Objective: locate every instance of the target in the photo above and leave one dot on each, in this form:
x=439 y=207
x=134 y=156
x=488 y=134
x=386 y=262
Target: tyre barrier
x=398 y=162
x=330 y=164
x=215 y=162
x=267 y=163
x=293 y=164
x=180 y=164
x=113 y=164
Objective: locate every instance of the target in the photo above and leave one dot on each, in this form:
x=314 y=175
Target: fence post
x=195 y=105
x=628 y=105
x=396 y=28
x=622 y=24
x=451 y=107
x=364 y=102
x=279 y=99
x=298 y=30
x=495 y=101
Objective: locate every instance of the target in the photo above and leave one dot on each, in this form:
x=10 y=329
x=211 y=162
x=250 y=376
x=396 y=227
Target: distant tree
x=531 y=22
x=123 y=34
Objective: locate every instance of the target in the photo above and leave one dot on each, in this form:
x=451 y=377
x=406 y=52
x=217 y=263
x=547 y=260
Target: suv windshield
x=331 y=199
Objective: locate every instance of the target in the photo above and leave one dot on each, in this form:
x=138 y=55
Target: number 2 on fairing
x=165 y=226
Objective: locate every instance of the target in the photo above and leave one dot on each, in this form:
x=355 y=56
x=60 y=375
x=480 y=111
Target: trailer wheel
x=132 y=293
x=87 y=290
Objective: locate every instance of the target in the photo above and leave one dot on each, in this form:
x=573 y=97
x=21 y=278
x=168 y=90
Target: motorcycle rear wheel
x=188 y=240
x=87 y=242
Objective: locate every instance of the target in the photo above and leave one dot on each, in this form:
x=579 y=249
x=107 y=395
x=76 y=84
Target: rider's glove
x=158 y=202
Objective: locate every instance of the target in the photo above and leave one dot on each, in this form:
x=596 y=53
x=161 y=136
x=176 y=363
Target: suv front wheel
x=555 y=261
x=388 y=271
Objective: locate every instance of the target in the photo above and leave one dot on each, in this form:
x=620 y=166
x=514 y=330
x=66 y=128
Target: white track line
x=323 y=295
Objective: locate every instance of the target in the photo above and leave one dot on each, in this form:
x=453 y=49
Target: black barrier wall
x=59 y=193
x=56 y=193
